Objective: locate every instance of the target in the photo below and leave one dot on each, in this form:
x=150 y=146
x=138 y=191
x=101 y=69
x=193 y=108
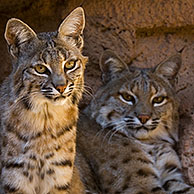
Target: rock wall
x=146 y=31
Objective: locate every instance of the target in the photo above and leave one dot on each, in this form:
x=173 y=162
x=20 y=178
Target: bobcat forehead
x=50 y=55
x=137 y=85
x=141 y=83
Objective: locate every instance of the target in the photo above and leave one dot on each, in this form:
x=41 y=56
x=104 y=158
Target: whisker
x=109 y=141
x=86 y=89
x=98 y=134
x=108 y=133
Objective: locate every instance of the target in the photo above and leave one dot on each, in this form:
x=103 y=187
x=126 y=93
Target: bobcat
x=128 y=133
x=39 y=109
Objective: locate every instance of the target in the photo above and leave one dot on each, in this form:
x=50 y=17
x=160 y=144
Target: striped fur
x=131 y=149
x=39 y=108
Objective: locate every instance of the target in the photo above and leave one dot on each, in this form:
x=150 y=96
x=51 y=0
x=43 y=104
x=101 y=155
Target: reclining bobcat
x=129 y=131
x=39 y=110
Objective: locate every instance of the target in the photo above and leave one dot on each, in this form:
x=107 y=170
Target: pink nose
x=61 y=88
x=143 y=118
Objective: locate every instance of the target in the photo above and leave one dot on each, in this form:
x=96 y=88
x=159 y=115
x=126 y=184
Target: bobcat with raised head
x=39 y=109
x=130 y=129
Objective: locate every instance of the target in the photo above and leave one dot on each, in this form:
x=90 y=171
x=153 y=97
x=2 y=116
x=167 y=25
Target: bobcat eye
x=157 y=101
x=127 y=98
x=40 y=68
x=70 y=65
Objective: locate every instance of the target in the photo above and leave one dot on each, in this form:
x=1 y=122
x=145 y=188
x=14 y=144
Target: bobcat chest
x=43 y=153
x=44 y=172
x=46 y=161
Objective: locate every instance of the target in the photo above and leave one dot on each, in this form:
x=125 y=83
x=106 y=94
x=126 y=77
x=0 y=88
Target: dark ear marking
x=110 y=65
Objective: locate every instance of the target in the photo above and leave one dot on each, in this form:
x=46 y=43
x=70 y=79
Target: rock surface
x=144 y=30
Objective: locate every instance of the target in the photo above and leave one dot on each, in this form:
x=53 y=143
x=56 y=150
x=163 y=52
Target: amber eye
x=128 y=98
x=40 y=68
x=70 y=65
x=158 y=100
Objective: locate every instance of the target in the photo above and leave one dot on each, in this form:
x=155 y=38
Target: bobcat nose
x=143 y=118
x=61 y=88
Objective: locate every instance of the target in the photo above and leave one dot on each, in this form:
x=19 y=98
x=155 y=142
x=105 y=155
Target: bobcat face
x=137 y=102
x=48 y=67
x=139 y=106
x=56 y=75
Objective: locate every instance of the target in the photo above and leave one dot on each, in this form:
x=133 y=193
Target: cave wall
x=144 y=30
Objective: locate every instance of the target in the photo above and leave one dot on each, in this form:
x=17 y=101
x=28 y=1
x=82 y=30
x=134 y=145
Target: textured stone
x=144 y=30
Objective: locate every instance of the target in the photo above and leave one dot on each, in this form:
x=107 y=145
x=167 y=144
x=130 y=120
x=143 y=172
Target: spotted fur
x=131 y=130
x=39 y=108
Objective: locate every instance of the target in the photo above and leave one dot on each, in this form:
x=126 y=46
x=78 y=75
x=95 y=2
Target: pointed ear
x=111 y=65
x=72 y=27
x=170 y=67
x=16 y=33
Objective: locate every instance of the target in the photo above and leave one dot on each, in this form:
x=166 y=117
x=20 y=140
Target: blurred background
x=145 y=32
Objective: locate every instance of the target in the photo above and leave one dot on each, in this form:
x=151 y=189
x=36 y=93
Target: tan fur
x=127 y=135
x=39 y=109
